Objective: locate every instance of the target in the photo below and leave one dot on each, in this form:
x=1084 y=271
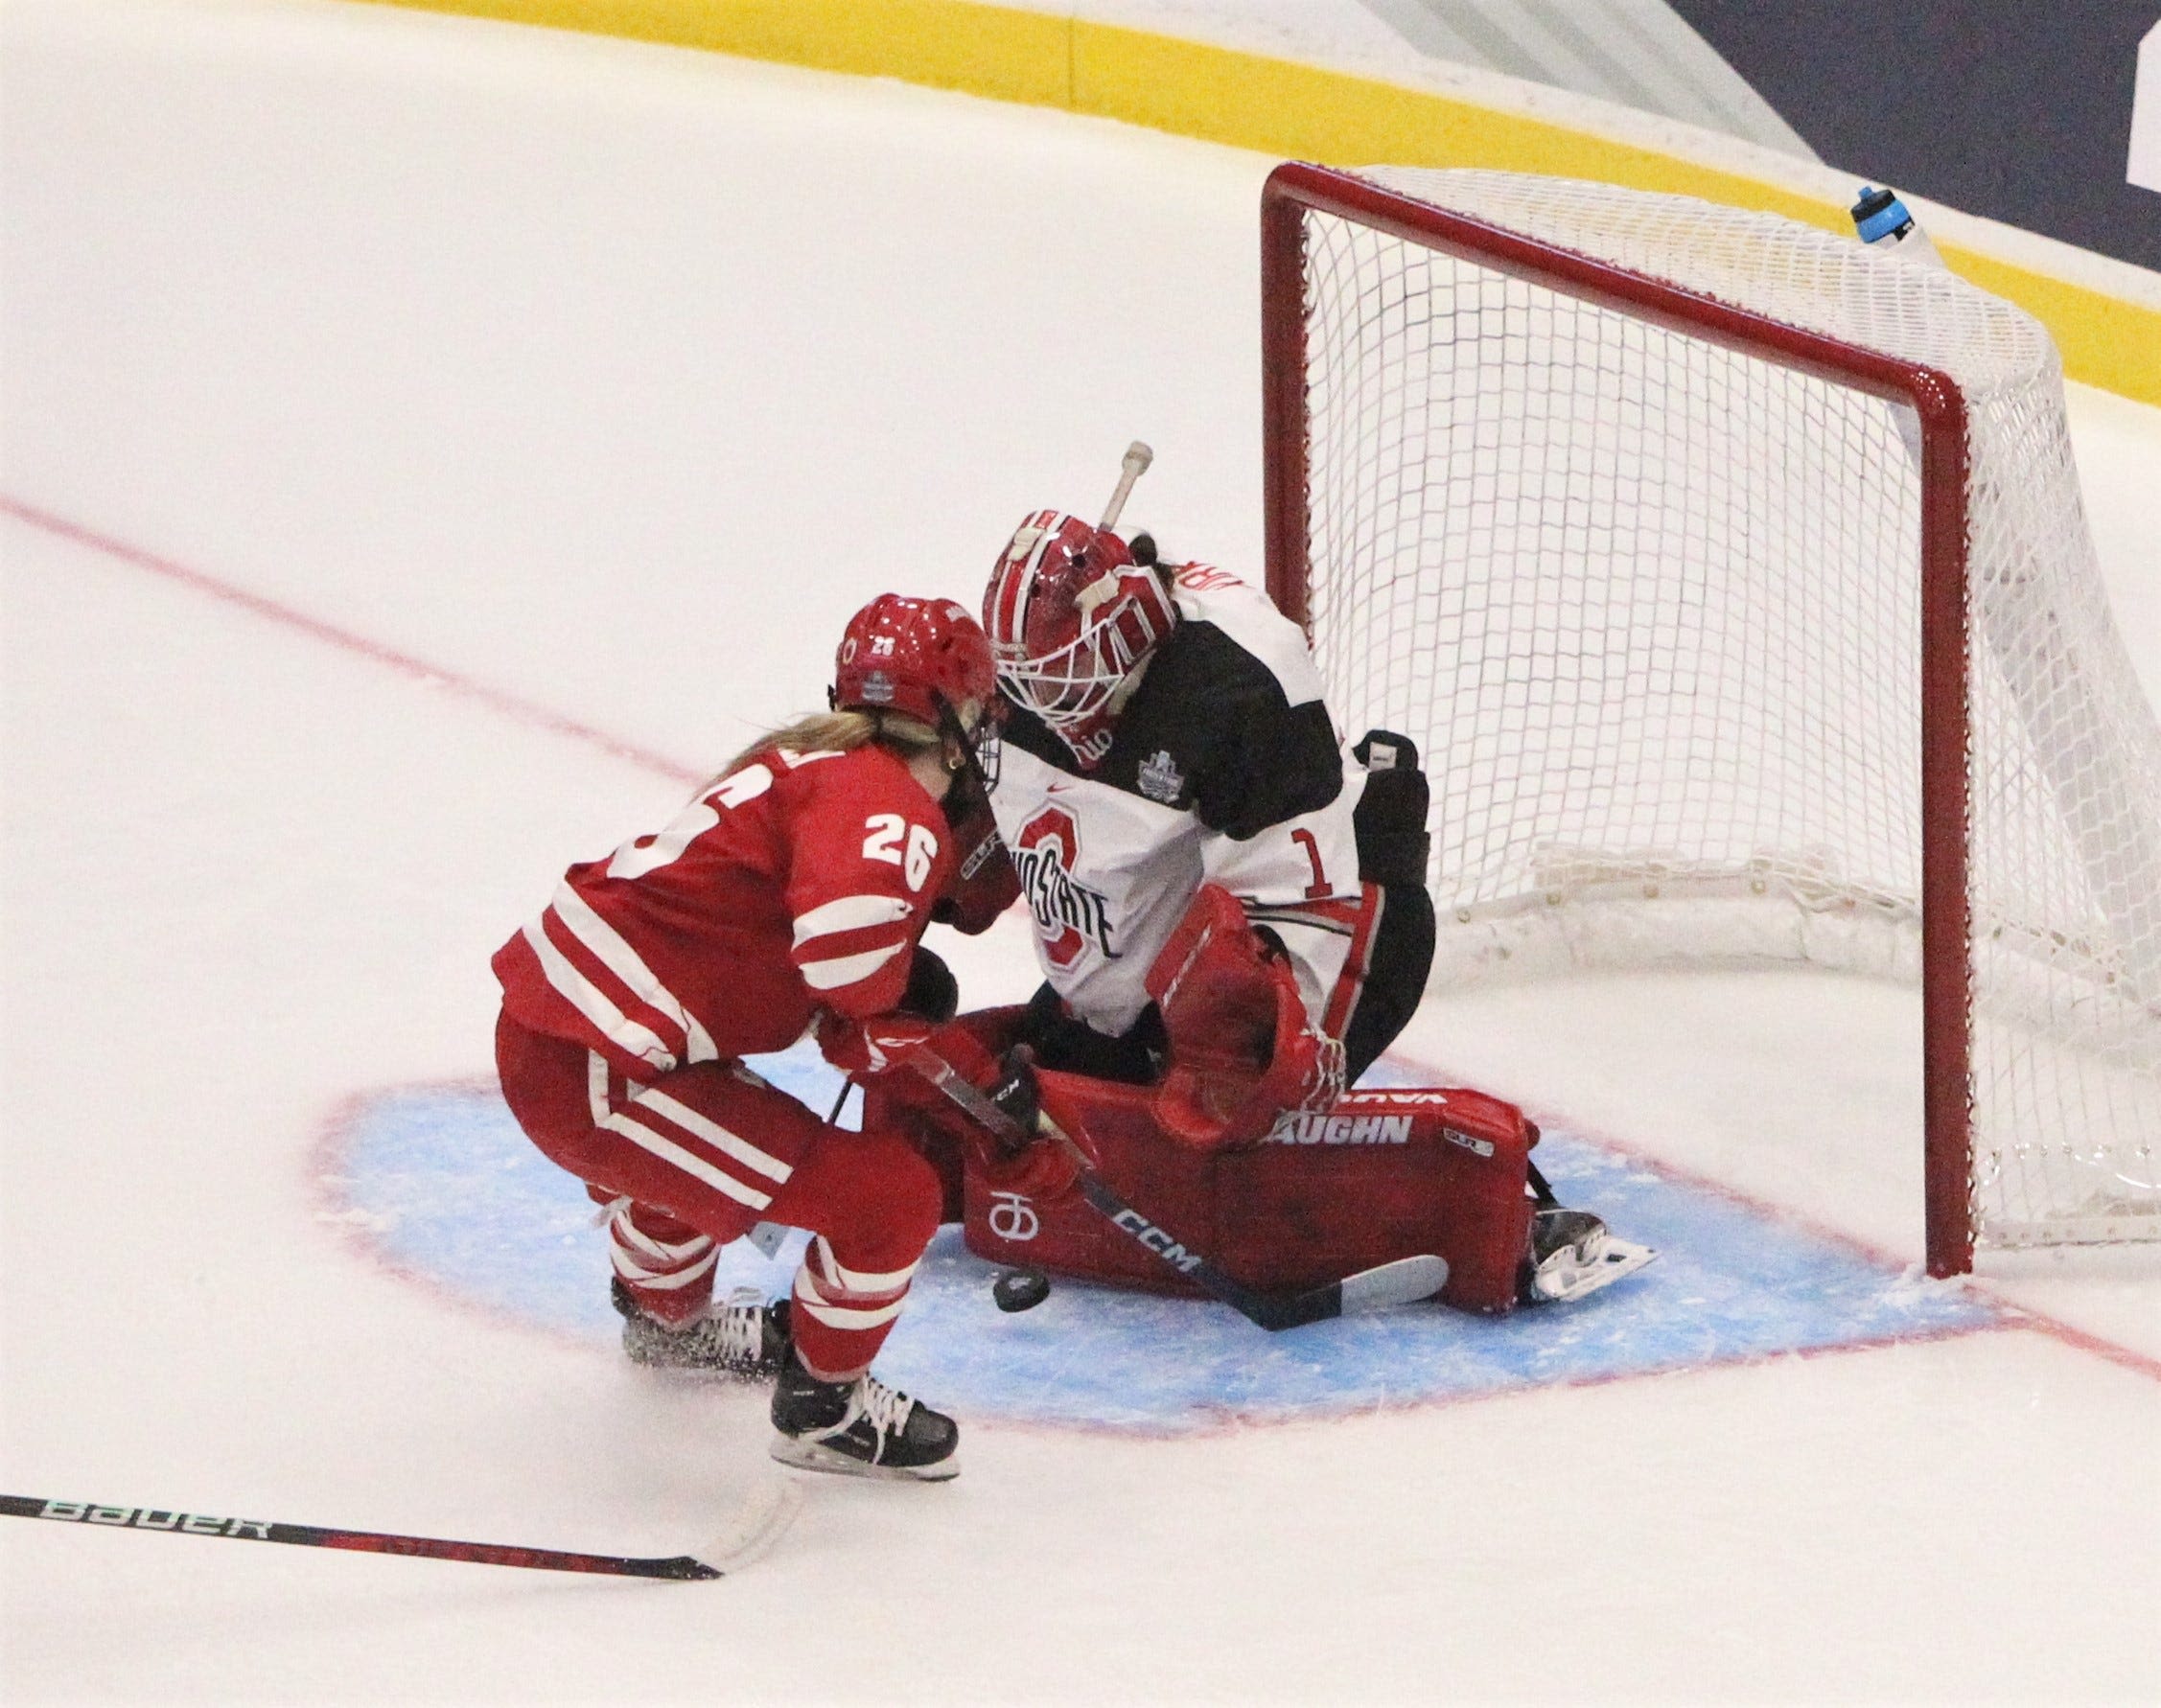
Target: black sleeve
x=1270 y=761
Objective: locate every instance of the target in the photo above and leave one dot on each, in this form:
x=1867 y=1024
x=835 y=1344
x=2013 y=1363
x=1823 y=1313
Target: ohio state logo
x=1069 y=917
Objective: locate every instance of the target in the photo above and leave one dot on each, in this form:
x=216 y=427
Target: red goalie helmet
x=924 y=657
x=1070 y=615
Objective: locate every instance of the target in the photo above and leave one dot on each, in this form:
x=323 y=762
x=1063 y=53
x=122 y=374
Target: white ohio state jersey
x=1223 y=768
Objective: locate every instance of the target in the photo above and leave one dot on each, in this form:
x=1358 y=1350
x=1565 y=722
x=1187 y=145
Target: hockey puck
x=1020 y=1289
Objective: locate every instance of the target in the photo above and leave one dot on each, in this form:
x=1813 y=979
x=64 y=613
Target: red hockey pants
x=705 y=1153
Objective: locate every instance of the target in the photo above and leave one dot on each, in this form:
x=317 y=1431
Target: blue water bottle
x=1882 y=222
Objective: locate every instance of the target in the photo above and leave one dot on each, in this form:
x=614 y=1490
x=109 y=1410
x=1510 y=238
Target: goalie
x=1227 y=910
x=1166 y=734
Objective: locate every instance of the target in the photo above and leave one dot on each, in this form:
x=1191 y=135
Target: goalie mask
x=927 y=659
x=1071 y=616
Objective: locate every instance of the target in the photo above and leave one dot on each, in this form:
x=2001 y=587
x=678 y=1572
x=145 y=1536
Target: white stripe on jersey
x=691 y=1163
x=1301 y=916
x=632 y=1238
x=626 y=963
x=666 y=1280
x=851 y=912
x=596 y=1085
x=728 y=1143
x=841 y=1316
x=848 y=969
x=860 y=1281
x=587 y=998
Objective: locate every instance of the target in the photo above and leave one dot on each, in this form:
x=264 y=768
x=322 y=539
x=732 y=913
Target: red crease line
x=2015 y=1315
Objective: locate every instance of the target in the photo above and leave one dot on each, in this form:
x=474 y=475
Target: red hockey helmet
x=914 y=655
x=1070 y=615
x=927 y=658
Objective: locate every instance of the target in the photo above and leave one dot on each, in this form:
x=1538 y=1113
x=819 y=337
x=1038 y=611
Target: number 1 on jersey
x=1319 y=887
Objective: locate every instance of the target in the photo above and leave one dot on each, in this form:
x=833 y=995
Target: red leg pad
x=1384 y=1174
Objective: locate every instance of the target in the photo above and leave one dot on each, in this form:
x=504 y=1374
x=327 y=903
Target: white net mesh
x=1651 y=608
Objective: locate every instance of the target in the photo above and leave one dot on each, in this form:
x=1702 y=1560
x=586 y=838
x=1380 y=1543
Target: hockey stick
x=1400 y=1282
x=765 y=1514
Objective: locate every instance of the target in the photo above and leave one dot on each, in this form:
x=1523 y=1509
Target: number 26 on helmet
x=927 y=659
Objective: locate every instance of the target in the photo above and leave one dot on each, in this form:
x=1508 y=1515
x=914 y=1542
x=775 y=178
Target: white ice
x=579 y=378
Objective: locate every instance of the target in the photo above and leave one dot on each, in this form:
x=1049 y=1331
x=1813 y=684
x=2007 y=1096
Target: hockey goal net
x=1735 y=581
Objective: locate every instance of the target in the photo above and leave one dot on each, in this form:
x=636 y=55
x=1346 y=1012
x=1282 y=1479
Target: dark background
x=2017 y=109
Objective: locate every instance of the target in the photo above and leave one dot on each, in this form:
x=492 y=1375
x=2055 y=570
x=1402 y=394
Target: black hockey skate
x=1570 y=1253
x=859 y=1428
x=746 y=1336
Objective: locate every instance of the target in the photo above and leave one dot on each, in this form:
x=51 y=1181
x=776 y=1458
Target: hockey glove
x=868 y=1047
x=1014 y=1090
x=1307 y=1074
x=1041 y=1169
x=933 y=993
x=1043 y=1173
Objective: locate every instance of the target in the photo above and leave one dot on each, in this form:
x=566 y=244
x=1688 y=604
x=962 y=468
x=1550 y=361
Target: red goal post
x=1506 y=417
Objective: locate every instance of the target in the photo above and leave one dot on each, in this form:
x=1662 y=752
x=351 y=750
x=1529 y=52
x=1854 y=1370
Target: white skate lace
x=884 y=1409
x=741 y=1326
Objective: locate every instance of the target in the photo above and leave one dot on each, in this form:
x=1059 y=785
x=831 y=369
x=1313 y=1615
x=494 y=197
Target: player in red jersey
x=790 y=892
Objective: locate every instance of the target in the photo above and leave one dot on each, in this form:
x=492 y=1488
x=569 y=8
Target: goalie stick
x=1402 y=1281
x=765 y=1513
x=1137 y=458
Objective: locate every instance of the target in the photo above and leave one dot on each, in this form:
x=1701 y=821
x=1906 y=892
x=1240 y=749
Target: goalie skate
x=1572 y=1254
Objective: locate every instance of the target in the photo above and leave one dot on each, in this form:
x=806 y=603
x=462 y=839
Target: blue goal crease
x=442 y=1182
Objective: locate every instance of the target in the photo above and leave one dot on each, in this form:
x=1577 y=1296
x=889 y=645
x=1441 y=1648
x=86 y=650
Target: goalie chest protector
x=1384 y=1174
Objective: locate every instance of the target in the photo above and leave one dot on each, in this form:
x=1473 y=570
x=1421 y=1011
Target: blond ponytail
x=841 y=732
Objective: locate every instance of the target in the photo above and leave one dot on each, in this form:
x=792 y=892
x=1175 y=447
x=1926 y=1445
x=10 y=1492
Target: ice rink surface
x=430 y=446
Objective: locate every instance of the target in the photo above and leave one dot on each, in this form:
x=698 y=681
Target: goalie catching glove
x=1241 y=1049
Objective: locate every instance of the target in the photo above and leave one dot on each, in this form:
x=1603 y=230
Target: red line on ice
x=512 y=706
